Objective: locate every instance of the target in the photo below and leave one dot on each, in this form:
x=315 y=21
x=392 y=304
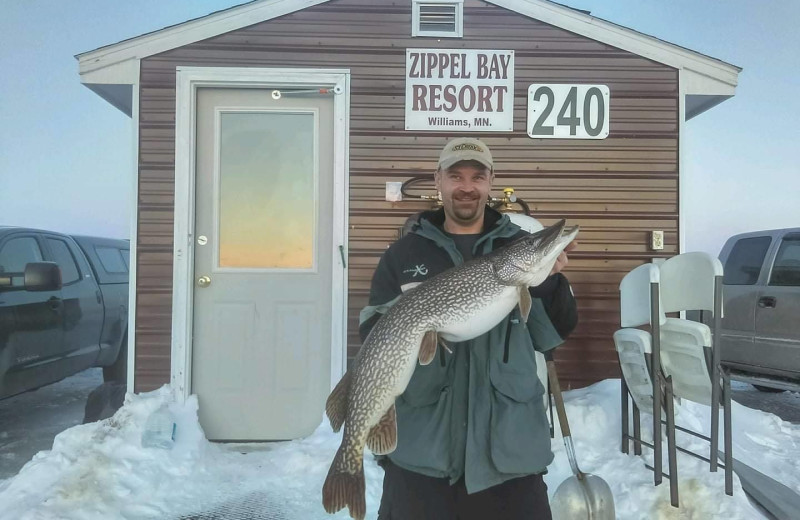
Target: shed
x=266 y=134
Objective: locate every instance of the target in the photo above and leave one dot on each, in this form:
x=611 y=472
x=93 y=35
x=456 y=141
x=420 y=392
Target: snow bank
x=100 y=470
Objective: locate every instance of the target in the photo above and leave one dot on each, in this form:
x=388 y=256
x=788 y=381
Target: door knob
x=204 y=281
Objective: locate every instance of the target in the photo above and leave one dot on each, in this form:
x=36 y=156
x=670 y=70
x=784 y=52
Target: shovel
x=582 y=496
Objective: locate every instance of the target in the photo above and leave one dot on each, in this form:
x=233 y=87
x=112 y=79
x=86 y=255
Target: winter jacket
x=478 y=412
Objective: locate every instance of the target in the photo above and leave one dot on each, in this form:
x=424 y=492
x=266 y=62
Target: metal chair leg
x=672 y=453
x=624 y=425
x=637 y=430
x=726 y=404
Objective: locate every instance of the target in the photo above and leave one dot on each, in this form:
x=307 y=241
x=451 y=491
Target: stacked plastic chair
x=673 y=358
x=638 y=350
x=693 y=281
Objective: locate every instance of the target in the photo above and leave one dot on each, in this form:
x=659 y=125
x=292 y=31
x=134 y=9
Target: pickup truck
x=760 y=339
x=63 y=307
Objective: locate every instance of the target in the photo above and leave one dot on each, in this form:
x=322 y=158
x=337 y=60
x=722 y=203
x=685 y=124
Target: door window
x=268 y=190
x=786 y=270
x=65 y=260
x=16 y=253
x=744 y=262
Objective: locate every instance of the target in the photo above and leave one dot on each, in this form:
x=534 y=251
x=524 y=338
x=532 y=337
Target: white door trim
x=188 y=79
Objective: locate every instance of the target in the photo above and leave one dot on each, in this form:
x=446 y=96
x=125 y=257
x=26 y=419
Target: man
x=473 y=437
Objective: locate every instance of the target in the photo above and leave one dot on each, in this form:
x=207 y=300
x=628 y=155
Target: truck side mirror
x=42 y=276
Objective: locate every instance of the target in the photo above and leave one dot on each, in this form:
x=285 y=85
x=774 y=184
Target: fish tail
x=344 y=486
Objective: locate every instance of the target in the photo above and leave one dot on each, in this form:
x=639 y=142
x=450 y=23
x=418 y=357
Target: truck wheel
x=768 y=389
x=118 y=371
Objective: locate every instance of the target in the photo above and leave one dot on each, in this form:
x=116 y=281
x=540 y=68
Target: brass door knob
x=204 y=281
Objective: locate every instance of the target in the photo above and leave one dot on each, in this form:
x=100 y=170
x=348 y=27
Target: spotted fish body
x=456 y=305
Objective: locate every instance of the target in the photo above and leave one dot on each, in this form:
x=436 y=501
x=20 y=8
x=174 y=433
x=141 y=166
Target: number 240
x=570 y=105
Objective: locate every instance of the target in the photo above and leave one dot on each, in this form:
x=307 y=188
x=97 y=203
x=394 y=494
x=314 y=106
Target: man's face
x=465 y=187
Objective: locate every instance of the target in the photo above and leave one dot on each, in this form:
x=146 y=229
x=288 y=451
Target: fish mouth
x=555 y=238
x=551 y=236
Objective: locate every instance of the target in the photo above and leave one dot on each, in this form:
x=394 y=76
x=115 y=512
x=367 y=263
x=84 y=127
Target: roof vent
x=439 y=18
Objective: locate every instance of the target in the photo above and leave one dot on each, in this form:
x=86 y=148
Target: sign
x=461 y=90
x=568 y=111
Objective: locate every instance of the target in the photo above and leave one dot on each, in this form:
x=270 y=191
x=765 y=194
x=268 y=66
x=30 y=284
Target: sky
x=66 y=154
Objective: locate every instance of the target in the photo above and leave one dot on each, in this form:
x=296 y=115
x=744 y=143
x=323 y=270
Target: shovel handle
x=556 y=388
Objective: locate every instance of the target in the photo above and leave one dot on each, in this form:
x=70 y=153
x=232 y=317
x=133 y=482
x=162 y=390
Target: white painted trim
x=134 y=232
x=459 y=19
x=341 y=218
x=188 y=79
x=188 y=32
x=682 y=77
x=724 y=75
x=627 y=39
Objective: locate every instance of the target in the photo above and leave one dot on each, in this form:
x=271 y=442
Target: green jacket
x=477 y=412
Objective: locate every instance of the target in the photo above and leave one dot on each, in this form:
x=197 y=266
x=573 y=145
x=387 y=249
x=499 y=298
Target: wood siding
x=617 y=189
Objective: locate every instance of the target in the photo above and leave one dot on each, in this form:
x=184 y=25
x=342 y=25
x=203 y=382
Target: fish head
x=528 y=260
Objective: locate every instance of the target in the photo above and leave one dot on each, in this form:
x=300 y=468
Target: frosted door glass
x=266 y=190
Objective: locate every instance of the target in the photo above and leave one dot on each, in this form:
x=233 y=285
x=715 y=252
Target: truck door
x=83 y=305
x=31 y=323
x=742 y=273
x=777 y=334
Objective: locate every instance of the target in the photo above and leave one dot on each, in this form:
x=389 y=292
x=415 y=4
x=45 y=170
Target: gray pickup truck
x=63 y=307
x=761 y=324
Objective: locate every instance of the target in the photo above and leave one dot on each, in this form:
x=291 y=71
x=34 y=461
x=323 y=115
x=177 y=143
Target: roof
x=111 y=69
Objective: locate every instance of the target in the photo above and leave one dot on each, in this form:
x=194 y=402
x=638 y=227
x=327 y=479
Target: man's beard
x=466 y=208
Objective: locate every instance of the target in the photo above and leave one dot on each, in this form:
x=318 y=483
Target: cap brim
x=450 y=161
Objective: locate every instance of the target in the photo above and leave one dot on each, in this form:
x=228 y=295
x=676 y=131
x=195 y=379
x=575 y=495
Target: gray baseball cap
x=465 y=149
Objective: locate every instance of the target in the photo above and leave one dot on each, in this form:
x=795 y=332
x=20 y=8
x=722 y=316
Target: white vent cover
x=439 y=18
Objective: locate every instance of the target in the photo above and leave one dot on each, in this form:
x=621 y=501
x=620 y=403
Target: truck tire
x=118 y=371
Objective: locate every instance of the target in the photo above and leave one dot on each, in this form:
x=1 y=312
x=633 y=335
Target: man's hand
x=562 y=260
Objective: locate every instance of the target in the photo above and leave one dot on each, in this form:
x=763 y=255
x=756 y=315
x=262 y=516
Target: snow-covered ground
x=100 y=470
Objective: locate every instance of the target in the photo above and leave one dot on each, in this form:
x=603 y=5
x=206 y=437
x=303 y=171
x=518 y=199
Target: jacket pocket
x=427 y=383
x=519 y=434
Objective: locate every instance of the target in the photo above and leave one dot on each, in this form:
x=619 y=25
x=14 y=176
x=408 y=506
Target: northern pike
x=458 y=304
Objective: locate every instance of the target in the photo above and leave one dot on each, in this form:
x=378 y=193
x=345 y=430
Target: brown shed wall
x=617 y=189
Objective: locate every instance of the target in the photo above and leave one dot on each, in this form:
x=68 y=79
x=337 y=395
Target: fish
x=456 y=305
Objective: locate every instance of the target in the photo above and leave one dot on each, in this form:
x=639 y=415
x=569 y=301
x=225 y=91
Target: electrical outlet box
x=394 y=192
x=656 y=240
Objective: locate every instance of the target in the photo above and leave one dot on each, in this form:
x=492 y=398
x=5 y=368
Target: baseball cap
x=465 y=149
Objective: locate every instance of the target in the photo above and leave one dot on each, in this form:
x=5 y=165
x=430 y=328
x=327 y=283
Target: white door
x=262 y=272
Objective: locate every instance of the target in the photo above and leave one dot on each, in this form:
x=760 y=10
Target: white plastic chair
x=639 y=290
x=690 y=282
x=687 y=283
x=632 y=344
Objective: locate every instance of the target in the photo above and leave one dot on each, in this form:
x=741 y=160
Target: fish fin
x=427 y=350
x=382 y=437
x=345 y=488
x=336 y=405
x=524 y=302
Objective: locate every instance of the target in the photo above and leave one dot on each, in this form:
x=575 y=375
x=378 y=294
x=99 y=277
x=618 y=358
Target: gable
x=706 y=81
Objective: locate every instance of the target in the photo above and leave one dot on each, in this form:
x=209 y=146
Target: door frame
x=188 y=80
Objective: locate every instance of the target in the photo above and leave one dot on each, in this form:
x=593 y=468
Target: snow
x=100 y=470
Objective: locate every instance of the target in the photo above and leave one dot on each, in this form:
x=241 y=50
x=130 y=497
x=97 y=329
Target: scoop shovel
x=583 y=495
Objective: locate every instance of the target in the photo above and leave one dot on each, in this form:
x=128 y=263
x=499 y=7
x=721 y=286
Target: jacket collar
x=495 y=224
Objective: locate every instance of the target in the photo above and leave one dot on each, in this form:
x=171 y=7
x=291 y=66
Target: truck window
x=126 y=255
x=65 y=260
x=16 y=253
x=786 y=270
x=744 y=262
x=111 y=259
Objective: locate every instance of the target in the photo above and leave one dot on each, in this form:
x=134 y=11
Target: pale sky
x=66 y=154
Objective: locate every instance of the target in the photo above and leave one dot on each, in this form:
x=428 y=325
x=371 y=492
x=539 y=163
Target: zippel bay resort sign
x=459 y=89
